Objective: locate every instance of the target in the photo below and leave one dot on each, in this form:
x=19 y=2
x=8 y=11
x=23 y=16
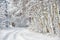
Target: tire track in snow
x=13 y=35
x=18 y=36
x=8 y=34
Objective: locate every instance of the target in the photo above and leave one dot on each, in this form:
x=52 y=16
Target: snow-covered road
x=24 y=34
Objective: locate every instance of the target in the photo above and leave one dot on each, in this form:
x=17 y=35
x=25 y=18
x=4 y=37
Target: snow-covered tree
x=38 y=15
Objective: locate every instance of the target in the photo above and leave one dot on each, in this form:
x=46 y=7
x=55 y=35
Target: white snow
x=24 y=34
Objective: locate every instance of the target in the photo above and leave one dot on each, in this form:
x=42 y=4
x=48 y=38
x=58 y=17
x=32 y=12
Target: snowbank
x=24 y=34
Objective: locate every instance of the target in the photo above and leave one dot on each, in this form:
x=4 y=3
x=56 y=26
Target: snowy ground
x=24 y=34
